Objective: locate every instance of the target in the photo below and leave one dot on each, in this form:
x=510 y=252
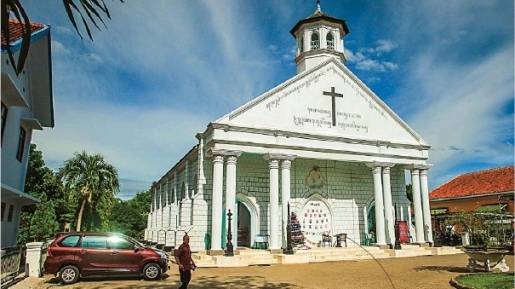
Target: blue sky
x=162 y=70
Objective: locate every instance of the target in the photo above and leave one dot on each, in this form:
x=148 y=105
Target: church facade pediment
x=326 y=103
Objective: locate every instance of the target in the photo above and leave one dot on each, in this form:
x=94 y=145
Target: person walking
x=186 y=264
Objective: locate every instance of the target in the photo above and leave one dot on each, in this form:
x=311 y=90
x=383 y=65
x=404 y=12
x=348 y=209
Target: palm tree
x=91 y=179
x=89 y=7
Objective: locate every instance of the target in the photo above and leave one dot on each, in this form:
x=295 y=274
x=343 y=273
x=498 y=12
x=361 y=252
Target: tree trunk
x=79 y=217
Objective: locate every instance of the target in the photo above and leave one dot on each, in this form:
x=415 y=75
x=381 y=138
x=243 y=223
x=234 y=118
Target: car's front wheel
x=69 y=274
x=151 y=271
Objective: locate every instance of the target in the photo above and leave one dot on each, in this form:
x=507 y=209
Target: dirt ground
x=429 y=272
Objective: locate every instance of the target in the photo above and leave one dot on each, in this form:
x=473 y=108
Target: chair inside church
x=327 y=240
x=366 y=239
x=261 y=242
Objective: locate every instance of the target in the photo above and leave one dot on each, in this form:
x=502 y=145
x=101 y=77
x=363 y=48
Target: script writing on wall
x=276 y=101
x=358 y=91
x=319 y=117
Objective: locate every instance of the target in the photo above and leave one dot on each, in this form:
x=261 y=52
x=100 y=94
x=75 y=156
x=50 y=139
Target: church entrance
x=371 y=219
x=244 y=225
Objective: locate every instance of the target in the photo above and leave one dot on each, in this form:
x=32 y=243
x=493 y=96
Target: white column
x=161 y=205
x=274 y=204
x=216 y=214
x=285 y=191
x=365 y=219
x=379 y=207
x=230 y=197
x=388 y=212
x=155 y=199
x=428 y=227
x=419 y=222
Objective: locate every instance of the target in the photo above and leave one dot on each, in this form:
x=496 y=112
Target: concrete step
x=405 y=252
x=445 y=250
x=249 y=257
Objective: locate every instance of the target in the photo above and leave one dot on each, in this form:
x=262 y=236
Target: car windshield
x=132 y=240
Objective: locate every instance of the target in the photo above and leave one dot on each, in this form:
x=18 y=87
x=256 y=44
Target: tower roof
x=318 y=15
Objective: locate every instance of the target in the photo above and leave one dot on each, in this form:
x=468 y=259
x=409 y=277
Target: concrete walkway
x=426 y=272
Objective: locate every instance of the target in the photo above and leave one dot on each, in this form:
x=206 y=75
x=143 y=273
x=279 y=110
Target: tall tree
x=130 y=217
x=409 y=192
x=143 y=200
x=126 y=218
x=90 y=7
x=44 y=225
x=42 y=182
x=92 y=181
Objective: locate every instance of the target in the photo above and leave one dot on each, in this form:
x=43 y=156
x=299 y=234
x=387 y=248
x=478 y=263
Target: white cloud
x=95 y=57
x=130 y=137
x=372 y=59
x=385 y=46
x=460 y=112
x=59 y=48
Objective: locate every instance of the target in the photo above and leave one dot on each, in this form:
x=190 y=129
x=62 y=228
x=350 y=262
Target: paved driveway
x=417 y=272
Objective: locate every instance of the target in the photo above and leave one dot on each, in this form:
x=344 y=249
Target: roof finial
x=318 y=6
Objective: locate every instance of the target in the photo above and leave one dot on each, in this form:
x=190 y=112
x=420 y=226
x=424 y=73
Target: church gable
x=327 y=100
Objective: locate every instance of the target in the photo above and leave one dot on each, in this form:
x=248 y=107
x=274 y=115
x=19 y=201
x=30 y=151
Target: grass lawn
x=487 y=280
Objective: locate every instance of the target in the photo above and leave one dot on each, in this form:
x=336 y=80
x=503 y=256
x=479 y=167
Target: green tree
x=125 y=218
x=143 y=200
x=409 y=192
x=485 y=229
x=93 y=183
x=90 y=8
x=44 y=225
x=41 y=182
x=130 y=217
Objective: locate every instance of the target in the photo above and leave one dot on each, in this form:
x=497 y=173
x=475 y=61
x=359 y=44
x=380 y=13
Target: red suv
x=83 y=254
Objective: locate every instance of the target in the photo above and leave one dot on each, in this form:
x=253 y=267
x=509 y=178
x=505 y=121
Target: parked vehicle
x=84 y=254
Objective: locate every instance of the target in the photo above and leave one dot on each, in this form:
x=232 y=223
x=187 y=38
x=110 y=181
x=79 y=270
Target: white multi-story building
x=321 y=143
x=27 y=105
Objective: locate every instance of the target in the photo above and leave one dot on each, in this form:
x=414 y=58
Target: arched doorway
x=247 y=217
x=244 y=225
x=371 y=219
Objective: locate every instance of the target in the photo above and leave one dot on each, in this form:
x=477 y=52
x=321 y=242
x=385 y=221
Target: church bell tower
x=319 y=37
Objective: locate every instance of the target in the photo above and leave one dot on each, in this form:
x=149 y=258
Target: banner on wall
x=403 y=231
x=316 y=220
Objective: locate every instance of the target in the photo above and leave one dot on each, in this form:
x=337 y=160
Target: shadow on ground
x=443 y=268
x=251 y=282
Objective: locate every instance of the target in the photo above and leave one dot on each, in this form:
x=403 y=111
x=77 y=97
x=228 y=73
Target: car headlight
x=163 y=256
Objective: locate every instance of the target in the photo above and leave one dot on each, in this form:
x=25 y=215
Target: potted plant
x=485 y=238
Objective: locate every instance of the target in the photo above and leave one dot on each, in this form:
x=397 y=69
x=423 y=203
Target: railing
x=11 y=261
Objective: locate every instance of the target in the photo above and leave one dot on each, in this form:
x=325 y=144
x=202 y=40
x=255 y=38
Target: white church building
x=321 y=143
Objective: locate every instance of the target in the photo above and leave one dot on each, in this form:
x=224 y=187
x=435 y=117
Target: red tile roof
x=489 y=181
x=16 y=28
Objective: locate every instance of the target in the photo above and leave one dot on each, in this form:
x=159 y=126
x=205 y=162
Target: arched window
x=301 y=44
x=315 y=41
x=330 y=41
x=183 y=191
x=172 y=197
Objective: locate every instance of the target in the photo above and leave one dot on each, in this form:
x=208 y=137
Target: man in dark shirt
x=183 y=259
